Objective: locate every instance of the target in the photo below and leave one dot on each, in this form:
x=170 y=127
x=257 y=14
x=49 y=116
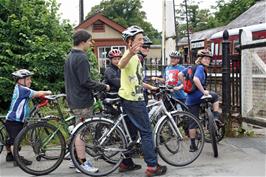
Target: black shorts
x=13 y=128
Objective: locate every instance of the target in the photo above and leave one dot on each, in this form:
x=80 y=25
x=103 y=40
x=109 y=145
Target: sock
x=216 y=114
x=193 y=141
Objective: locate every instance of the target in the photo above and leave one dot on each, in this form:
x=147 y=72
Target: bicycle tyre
x=219 y=135
x=212 y=133
x=35 y=150
x=2 y=142
x=179 y=154
x=3 y=136
x=99 y=158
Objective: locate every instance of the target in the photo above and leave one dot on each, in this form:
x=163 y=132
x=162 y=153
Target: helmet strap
x=23 y=83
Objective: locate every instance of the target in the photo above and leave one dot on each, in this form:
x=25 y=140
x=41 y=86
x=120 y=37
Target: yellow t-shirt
x=131 y=80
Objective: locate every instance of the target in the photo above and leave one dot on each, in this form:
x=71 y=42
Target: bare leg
x=80 y=148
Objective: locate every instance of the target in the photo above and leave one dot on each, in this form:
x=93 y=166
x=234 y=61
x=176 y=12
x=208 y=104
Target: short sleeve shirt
x=132 y=80
x=19 y=108
x=194 y=97
x=171 y=78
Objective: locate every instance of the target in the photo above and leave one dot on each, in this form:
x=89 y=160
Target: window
x=235 y=45
x=216 y=49
x=212 y=48
x=98 y=26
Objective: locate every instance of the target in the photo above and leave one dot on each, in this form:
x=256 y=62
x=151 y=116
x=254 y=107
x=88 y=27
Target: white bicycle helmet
x=131 y=31
x=22 y=73
x=175 y=54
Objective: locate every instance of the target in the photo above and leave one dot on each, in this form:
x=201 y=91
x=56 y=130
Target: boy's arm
x=133 y=49
x=181 y=77
x=41 y=93
x=149 y=87
x=124 y=60
x=199 y=86
x=158 y=78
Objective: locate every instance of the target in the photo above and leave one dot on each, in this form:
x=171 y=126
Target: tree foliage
x=32 y=37
x=201 y=19
x=126 y=13
x=226 y=12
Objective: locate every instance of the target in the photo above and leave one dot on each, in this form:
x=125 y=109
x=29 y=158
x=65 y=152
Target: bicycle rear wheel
x=175 y=149
x=2 y=142
x=3 y=136
x=36 y=143
x=220 y=132
x=106 y=156
x=212 y=133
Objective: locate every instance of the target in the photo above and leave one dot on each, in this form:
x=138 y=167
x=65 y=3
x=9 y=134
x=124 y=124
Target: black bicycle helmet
x=147 y=41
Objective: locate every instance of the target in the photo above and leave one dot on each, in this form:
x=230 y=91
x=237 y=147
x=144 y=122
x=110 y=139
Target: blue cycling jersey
x=19 y=108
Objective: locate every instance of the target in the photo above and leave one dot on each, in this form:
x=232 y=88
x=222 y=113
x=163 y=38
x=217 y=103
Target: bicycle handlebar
x=47 y=98
x=54 y=97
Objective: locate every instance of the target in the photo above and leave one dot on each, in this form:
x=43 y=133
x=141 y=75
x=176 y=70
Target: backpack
x=188 y=83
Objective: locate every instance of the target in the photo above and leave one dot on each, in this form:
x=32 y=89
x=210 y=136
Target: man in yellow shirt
x=133 y=104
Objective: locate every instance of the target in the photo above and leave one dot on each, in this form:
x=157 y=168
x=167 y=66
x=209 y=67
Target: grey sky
x=153 y=9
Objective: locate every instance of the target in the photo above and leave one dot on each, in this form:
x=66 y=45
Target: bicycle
x=34 y=114
x=213 y=133
x=44 y=143
x=3 y=133
x=108 y=141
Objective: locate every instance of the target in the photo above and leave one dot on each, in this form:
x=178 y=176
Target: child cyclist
x=19 y=109
x=170 y=76
x=194 y=99
x=112 y=72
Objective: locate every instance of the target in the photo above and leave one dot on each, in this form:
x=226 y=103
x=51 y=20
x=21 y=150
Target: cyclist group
x=124 y=75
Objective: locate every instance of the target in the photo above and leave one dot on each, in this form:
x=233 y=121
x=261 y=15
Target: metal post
x=81 y=11
x=188 y=37
x=226 y=93
x=176 y=31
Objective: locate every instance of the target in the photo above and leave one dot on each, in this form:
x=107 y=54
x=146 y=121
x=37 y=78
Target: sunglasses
x=145 y=47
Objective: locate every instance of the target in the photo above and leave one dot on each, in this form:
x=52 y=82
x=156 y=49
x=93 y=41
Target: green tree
x=127 y=13
x=32 y=37
x=197 y=18
x=226 y=12
x=201 y=19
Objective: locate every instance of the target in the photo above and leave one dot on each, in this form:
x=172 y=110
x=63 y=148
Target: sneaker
x=88 y=167
x=125 y=168
x=9 y=157
x=160 y=170
x=71 y=164
x=193 y=148
x=25 y=161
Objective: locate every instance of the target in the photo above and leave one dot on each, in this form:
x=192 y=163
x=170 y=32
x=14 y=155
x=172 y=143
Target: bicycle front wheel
x=104 y=146
x=173 y=147
x=39 y=148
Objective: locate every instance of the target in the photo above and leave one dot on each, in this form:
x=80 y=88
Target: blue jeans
x=138 y=120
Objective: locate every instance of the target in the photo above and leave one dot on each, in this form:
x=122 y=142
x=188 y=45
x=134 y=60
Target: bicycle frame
x=120 y=123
